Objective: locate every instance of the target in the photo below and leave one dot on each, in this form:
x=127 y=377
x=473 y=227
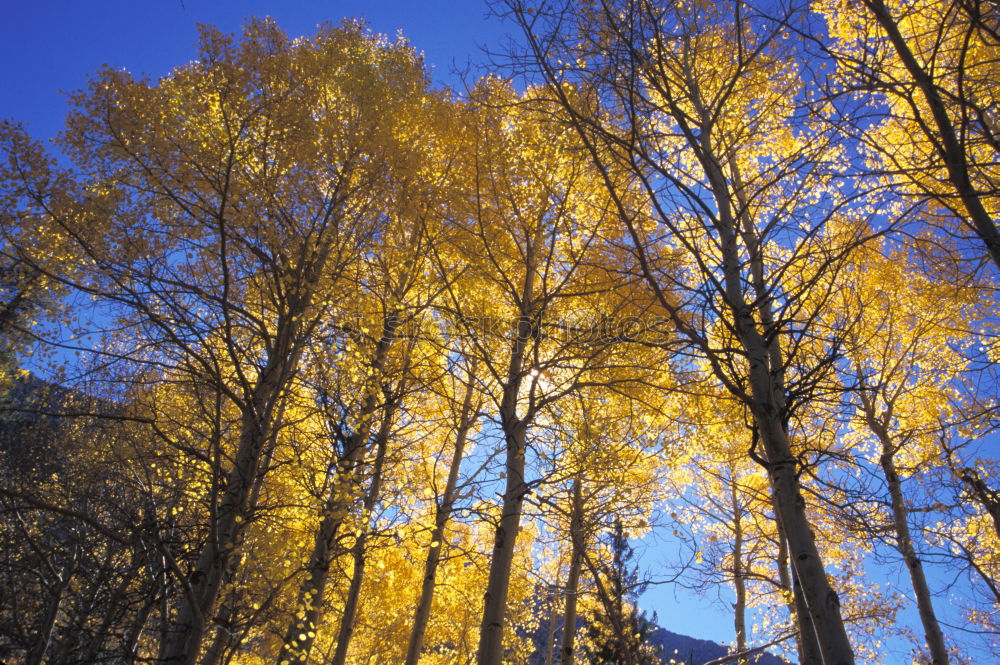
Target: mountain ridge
x=694 y=651
x=675 y=648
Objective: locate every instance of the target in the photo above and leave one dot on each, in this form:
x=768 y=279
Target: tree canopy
x=343 y=367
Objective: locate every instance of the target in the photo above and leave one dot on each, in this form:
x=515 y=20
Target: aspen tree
x=907 y=343
x=933 y=66
x=530 y=225
x=237 y=190
x=700 y=108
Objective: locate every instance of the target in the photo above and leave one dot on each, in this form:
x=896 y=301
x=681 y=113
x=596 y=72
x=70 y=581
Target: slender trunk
x=258 y=425
x=770 y=356
x=766 y=367
x=186 y=631
x=784 y=581
x=164 y=603
x=568 y=649
x=550 y=635
x=739 y=578
x=130 y=640
x=92 y=604
x=43 y=640
x=504 y=540
x=301 y=631
x=904 y=540
x=347 y=621
x=805 y=635
x=227 y=613
x=115 y=612
x=442 y=513
x=223 y=635
x=515 y=488
x=820 y=600
x=808 y=640
x=767 y=388
x=346 y=630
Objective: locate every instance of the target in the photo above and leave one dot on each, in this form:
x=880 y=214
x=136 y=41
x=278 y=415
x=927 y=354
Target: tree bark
x=739 y=577
x=184 y=636
x=904 y=542
x=568 y=648
x=227 y=614
x=805 y=635
x=808 y=640
x=442 y=513
x=767 y=404
x=904 y=539
x=43 y=640
x=821 y=602
x=504 y=540
x=301 y=631
x=349 y=616
x=515 y=488
x=550 y=636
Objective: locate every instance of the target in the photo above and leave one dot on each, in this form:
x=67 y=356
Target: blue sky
x=49 y=47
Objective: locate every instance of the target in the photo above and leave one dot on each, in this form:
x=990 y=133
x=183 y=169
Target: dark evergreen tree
x=620 y=633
